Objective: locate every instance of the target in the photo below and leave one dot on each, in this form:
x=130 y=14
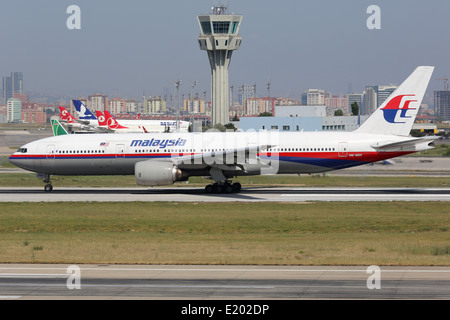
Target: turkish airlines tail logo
x=101 y=118
x=112 y=122
x=395 y=106
x=65 y=115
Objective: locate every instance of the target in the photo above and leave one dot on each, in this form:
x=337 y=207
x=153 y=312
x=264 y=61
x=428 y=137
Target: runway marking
x=56 y=285
x=138 y=286
x=211 y=270
x=368 y=197
x=31 y=276
x=361 y=195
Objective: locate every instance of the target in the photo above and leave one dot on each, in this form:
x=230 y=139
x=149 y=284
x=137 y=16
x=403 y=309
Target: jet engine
x=157 y=173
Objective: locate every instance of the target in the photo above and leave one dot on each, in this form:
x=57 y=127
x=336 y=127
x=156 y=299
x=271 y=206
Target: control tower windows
x=206 y=27
x=234 y=27
x=221 y=26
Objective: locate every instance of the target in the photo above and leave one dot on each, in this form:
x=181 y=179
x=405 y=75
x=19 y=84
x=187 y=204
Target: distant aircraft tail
x=65 y=115
x=101 y=119
x=397 y=114
x=83 y=112
x=58 y=129
x=112 y=122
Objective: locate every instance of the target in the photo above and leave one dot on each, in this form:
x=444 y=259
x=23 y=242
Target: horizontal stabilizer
x=415 y=144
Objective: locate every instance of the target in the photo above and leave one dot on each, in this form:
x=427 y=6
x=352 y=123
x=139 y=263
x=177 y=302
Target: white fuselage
x=111 y=154
x=154 y=125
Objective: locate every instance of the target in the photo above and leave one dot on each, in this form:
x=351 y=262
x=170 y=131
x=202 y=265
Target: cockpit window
x=22 y=150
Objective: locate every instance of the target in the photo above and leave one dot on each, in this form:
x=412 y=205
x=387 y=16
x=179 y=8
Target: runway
x=222 y=282
x=254 y=194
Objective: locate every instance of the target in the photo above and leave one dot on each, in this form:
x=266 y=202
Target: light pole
x=193 y=84
x=178 y=83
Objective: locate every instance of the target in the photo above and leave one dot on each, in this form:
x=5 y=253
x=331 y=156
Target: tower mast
x=219 y=37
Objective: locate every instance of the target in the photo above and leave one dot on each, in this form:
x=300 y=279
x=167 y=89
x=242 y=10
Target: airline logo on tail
x=83 y=112
x=112 y=122
x=58 y=129
x=101 y=119
x=395 y=106
x=65 y=115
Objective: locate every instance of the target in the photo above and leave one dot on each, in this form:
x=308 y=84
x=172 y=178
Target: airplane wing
x=222 y=163
x=237 y=156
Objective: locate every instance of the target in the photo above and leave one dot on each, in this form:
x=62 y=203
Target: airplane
x=142 y=125
x=106 y=120
x=66 y=117
x=134 y=125
x=164 y=158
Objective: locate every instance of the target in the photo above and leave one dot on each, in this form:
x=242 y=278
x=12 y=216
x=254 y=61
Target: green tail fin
x=58 y=129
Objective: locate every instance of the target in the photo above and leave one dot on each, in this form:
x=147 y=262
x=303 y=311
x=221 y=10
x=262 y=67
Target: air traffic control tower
x=219 y=37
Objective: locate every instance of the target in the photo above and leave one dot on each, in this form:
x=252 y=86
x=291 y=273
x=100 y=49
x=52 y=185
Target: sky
x=127 y=48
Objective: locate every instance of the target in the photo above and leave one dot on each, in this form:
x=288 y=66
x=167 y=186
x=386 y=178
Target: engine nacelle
x=156 y=173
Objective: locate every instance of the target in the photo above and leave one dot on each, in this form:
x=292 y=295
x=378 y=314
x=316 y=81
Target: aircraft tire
x=48 y=188
x=228 y=188
x=218 y=188
x=236 y=187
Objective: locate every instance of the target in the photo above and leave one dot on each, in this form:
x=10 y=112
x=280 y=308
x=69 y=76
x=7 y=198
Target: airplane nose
x=13 y=160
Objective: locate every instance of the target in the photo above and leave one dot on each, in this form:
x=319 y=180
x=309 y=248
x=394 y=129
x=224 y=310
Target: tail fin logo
x=394 y=106
x=112 y=123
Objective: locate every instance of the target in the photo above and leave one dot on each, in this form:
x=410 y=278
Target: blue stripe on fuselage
x=321 y=162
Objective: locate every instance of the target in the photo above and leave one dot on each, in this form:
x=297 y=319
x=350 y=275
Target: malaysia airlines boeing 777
x=162 y=159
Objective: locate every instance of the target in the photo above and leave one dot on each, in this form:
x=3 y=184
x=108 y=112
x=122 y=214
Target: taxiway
x=192 y=194
x=222 y=282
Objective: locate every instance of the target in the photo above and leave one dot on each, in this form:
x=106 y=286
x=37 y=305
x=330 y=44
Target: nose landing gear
x=48 y=183
x=48 y=187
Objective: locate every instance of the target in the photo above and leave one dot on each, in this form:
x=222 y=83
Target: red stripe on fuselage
x=355 y=156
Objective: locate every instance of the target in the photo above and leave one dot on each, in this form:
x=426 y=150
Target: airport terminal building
x=301 y=118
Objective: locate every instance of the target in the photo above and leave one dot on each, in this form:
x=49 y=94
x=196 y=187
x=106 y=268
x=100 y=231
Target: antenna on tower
x=445 y=83
x=268 y=88
x=221 y=7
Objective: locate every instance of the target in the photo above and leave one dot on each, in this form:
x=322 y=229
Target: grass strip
x=317 y=233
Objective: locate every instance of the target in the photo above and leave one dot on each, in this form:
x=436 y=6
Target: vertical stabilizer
x=57 y=128
x=397 y=114
x=83 y=112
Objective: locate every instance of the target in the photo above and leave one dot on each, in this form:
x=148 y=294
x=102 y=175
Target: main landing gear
x=223 y=187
